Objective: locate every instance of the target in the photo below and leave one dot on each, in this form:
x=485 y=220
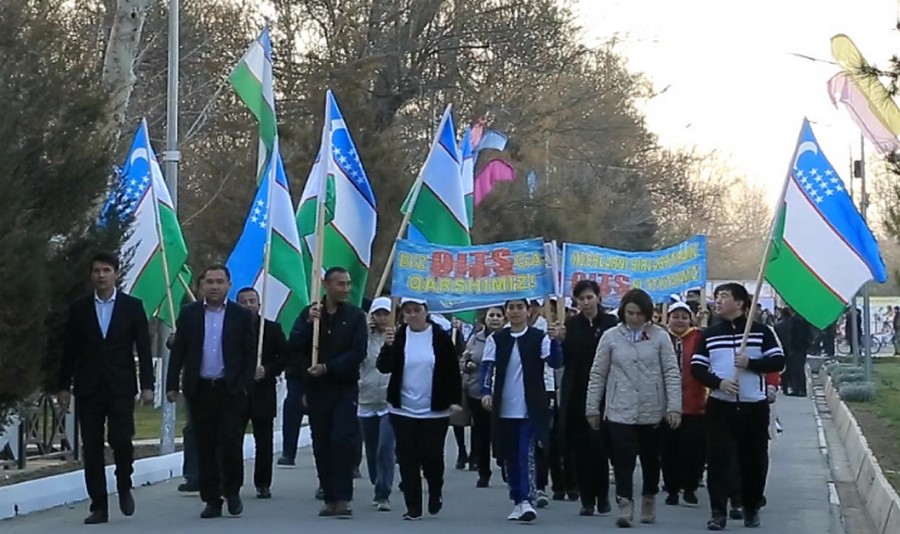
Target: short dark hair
x=641 y=299
x=248 y=289
x=737 y=292
x=217 y=267
x=334 y=270
x=510 y=301
x=107 y=258
x=585 y=285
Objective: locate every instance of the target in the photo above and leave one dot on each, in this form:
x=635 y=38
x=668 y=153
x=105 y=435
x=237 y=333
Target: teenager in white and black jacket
x=737 y=411
x=425 y=386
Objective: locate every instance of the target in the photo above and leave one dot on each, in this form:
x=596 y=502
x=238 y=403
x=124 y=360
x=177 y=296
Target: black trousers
x=481 y=437
x=627 y=442
x=420 y=452
x=95 y=414
x=547 y=457
x=263 y=430
x=218 y=417
x=795 y=373
x=684 y=454
x=737 y=431
x=335 y=438
x=589 y=459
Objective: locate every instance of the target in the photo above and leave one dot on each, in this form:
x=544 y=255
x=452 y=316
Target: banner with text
x=454 y=279
x=660 y=272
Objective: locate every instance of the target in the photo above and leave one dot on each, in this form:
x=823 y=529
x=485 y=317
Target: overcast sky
x=733 y=84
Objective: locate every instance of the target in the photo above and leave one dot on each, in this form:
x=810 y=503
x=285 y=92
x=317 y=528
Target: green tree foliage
x=53 y=167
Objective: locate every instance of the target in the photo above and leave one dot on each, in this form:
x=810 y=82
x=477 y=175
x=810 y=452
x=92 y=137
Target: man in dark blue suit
x=215 y=347
x=103 y=331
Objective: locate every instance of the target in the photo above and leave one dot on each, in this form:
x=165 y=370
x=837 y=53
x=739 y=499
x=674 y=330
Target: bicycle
x=844 y=347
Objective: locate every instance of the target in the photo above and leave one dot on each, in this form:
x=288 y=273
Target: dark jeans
x=481 y=437
x=627 y=442
x=737 y=431
x=292 y=418
x=378 y=435
x=218 y=418
x=589 y=459
x=94 y=413
x=263 y=429
x=420 y=452
x=190 y=465
x=335 y=438
x=684 y=454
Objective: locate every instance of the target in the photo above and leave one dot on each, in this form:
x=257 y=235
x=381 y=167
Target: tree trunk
x=118 y=65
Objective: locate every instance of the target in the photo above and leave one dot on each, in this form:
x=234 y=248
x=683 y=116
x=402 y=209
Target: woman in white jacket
x=635 y=371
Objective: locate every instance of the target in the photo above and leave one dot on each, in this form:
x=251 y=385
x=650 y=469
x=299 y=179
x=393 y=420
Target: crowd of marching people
x=554 y=397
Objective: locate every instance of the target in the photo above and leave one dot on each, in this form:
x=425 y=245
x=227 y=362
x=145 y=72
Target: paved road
x=797 y=494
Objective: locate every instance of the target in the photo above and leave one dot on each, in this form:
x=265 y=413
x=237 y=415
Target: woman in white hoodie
x=636 y=371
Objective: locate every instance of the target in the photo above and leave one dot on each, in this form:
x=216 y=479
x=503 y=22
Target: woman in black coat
x=425 y=386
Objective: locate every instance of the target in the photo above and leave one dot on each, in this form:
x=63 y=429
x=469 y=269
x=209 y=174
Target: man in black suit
x=332 y=386
x=214 y=345
x=261 y=410
x=102 y=333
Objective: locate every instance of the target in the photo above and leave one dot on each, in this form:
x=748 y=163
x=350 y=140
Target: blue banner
x=660 y=273
x=454 y=279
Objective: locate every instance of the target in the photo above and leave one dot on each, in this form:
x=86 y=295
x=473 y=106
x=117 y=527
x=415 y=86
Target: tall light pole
x=171 y=156
x=863 y=208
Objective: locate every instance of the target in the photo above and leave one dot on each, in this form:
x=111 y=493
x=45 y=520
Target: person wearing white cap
x=372 y=410
x=684 y=448
x=425 y=385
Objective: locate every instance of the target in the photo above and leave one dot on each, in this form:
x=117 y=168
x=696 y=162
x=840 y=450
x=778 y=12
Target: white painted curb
x=881 y=501
x=67 y=488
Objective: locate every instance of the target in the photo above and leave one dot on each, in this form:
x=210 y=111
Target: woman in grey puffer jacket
x=481 y=418
x=636 y=371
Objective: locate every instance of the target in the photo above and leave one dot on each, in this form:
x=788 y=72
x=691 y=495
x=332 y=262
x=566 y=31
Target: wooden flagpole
x=268 y=256
x=187 y=288
x=417 y=188
x=162 y=250
x=776 y=216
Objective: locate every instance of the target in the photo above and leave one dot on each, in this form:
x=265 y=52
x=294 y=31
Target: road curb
x=882 y=503
x=68 y=488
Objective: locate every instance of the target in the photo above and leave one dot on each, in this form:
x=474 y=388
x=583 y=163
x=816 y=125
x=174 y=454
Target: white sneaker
x=528 y=513
x=541 y=499
x=515 y=514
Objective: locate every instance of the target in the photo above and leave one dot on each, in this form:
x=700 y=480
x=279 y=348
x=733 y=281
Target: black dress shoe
x=751 y=519
x=126 y=503
x=263 y=493
x=483 y=482
x=188 y=487
x=211 y=511
x=235 y=506
x=96 y=518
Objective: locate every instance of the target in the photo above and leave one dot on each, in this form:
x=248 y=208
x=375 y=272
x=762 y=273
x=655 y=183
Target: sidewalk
x=798 y=496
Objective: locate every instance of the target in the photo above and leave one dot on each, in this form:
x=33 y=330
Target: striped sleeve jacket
x=713 y=359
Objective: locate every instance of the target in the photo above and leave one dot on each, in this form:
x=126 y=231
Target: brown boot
x=648 y=509
x=626 y=512
x=328 y=510
x=342 y=510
